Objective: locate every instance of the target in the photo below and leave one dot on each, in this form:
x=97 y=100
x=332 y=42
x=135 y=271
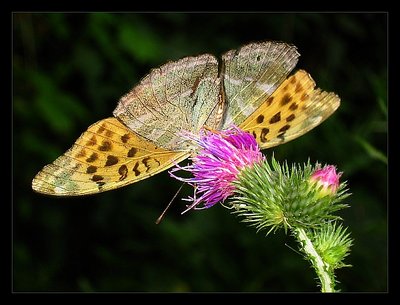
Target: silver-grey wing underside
x=251 y=74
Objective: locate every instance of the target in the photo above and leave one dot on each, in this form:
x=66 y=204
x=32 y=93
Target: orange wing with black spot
x=293 y=109
x=106 y=156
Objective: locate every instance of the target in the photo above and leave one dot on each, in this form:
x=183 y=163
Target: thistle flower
x=222 y=155
x=327 y=179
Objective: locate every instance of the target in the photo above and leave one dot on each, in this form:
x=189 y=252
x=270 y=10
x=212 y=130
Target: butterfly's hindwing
x=179 y=95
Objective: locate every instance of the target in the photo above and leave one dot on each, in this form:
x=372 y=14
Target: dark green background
x=69 y=70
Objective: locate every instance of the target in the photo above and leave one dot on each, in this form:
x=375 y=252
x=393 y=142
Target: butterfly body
x=249 y=89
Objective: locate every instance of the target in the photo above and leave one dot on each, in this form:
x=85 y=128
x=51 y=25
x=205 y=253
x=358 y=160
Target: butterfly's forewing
x=106 y=156
x=292 y=110
x=181 y=95
x=251 y=74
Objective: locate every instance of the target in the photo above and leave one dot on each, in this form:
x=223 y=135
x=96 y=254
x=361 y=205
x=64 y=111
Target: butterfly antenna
x=169 y=204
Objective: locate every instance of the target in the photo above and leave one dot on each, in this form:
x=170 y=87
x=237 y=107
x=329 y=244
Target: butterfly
x=249 y=88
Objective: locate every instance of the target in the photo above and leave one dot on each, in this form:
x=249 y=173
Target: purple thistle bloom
x=222 y=155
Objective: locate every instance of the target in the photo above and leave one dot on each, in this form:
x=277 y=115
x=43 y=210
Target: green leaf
x=372 y=151
x=140 y=41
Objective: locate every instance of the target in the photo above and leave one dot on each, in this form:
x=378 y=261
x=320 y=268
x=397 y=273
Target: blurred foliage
x=70 y=69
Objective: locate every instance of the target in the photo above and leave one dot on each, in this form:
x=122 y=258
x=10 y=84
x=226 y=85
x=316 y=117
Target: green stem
x=321 y=268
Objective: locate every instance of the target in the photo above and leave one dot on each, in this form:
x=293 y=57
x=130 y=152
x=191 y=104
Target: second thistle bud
x=273 y=195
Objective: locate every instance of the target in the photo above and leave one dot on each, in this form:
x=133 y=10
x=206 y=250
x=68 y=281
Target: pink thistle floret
x=327 y=178
x=222 y=155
